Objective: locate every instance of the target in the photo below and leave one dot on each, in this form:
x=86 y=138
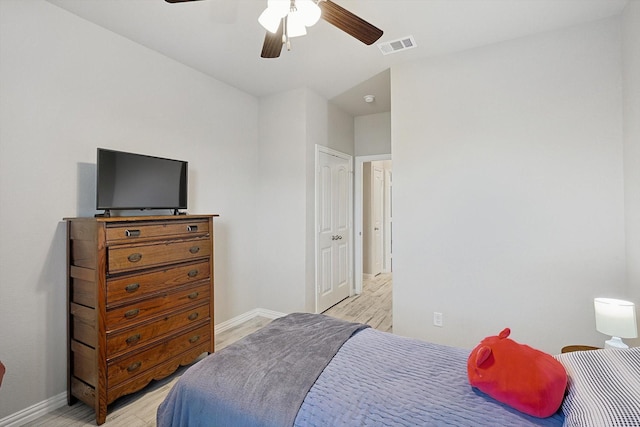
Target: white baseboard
x=40 y=409
x=35 y=411
x=256 y=312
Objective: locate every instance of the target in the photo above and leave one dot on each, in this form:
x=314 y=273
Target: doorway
x=373 y=218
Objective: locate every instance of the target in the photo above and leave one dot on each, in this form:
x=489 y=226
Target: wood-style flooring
x=372 y=306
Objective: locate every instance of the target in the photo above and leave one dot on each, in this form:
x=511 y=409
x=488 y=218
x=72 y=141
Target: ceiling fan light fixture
x=299 y=13
x=295 y=25
x=270 y=20
x=310 y=12
x=281 y=7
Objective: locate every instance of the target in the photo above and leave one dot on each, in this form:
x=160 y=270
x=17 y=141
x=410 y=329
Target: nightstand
x=570 y=348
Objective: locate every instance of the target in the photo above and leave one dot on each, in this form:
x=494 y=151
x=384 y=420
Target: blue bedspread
x=372 y=379
x=380 y=379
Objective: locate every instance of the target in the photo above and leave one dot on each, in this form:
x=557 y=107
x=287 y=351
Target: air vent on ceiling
x=397 y=45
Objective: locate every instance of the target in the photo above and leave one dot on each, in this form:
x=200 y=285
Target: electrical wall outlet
x=437 y=319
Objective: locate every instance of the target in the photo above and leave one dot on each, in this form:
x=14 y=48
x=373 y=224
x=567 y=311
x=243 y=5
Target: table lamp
x=616 y=318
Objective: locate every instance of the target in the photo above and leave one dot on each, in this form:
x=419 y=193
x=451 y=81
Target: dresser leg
x=101 y=416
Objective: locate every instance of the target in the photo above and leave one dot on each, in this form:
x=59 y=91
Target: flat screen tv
x=127 y=181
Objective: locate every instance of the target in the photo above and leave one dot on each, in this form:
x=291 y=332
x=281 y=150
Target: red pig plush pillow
x=522 y=377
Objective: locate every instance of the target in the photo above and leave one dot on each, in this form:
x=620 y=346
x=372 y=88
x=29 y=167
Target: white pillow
x=603 y=388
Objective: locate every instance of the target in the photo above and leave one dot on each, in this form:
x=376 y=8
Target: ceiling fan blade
x=179 y=1
x=272 y=45
x=349 y=23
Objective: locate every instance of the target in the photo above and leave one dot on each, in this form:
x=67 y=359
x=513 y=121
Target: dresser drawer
x=141 y=231
x=166 y=302
x=133 y=338
x=128 y=258
x=159 y=371
x=125 y=288
x=128 y=367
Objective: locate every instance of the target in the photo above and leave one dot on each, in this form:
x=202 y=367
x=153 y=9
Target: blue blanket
x=259 y=381
x=380 y=379
x=355 y=377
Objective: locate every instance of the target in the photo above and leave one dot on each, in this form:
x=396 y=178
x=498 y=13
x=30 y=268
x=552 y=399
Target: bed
x=314 y=370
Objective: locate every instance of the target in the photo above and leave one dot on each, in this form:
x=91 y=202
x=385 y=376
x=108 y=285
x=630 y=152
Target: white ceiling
x=223 y=39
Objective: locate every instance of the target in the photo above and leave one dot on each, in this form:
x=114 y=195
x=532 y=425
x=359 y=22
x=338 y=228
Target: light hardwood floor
x=372 y=306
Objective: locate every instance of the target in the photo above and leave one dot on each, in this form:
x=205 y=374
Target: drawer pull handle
x=132 y=313
x=192 y=249
x=192 y=228
x=134 y=366
x=132 y=233
x=193 y=316
x=133 y=339
x=132 y=287
x=135 y=257
x=194 y=338
x=193 y=273
x=193 y=295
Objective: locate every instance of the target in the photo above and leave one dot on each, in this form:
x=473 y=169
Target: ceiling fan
x=330 y=12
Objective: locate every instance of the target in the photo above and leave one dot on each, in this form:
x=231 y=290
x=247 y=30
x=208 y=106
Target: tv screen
x=136 y=181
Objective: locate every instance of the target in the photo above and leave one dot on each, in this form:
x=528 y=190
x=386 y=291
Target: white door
x=377 y=218
x=334 y=229
x=388 y=222
x=358 y=243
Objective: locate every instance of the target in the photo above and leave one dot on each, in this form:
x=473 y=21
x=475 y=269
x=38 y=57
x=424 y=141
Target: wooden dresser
x=140 y=292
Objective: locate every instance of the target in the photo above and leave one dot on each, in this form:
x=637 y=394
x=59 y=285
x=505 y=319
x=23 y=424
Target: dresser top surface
x=142 y=218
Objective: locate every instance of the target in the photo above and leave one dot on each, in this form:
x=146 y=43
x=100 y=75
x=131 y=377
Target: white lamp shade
x=310 y=12
x=616 y=317
x=280 y=7
x=270 y=20
x=295 y=25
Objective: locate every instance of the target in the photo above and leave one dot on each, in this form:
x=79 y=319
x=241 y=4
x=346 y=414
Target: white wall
x=67 y=87
x=508 y=189
x=373 y=134
x=341 y=130
x=281 y=210
x=631 y=95
x=291 y=124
